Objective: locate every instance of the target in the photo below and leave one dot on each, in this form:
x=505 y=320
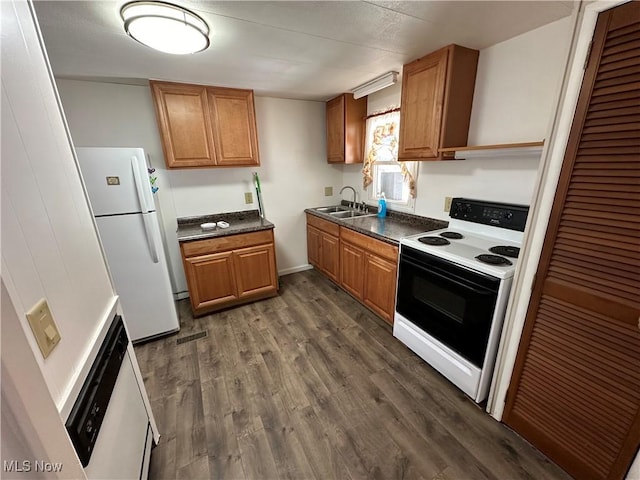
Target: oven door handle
x=458 y=282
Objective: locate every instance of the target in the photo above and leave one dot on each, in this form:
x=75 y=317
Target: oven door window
x=451 y=303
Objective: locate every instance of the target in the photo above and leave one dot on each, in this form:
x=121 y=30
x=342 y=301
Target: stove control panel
x=86 y=417
x=504 y=215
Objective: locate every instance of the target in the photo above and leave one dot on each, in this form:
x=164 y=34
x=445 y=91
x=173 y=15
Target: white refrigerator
x=118 y=185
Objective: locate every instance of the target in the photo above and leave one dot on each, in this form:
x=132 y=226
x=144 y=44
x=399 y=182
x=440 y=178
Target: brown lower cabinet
x=323 y=249
x=226 y=271
x=363 y=266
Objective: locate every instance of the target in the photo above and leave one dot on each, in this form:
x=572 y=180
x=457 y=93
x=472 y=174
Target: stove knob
x=466 y=210
x=507 y=216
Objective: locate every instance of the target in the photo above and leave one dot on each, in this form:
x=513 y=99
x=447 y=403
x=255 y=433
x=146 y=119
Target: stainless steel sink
x=340 y=211
x=349 y=214
x=337 y=208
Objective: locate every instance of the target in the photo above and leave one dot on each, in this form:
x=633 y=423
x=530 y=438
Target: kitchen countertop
x=389 y=229
x=239 y=222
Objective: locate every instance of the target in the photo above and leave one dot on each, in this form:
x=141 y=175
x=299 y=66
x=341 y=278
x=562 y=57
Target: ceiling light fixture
x=378 y=83
x=165 y=27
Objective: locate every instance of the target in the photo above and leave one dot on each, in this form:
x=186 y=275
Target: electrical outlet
x=43 y=327
x=248 y=197
x=447 y=203
x=328 y=191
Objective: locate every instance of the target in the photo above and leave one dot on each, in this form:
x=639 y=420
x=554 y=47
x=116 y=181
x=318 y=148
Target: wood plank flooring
x=310 y=384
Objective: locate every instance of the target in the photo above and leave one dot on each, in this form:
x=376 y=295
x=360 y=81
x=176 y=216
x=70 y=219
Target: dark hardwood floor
x=310 y=384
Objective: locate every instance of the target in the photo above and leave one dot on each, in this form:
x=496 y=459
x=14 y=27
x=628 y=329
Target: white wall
x=49 y=244
x=293 y=171
x=514 y=100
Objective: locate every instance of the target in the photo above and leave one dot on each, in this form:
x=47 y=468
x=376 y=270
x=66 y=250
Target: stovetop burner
x=437 y=241
x=452 y=235
x=507 y=251
x=493 y=259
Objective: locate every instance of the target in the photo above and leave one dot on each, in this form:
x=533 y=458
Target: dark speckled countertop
x=239 y=222
x=389 y=229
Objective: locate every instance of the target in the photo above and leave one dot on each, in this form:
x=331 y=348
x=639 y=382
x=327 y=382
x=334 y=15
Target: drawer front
x=223 y=244
x=378 y=247
x=324 y=225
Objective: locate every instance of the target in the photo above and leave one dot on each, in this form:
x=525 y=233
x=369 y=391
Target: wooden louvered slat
x=599 y=254
x=619 y=79
x=624 y=122
x=627 y=87
x=595 y=188
x=573 y=230
x=627 y=271
x=566 y=373
x=577 y=353
x=615 y=97
x=575 y=390
x=628 y=235
x=616 y=219
x=623 y=43
x=601 y=286
x=598 y=261
x=612 y=124
x=610 y=106
x=558 y=320
x=617 y=334
x=624 y=257
x=606 y=166
x=619 y=57
x=607 y=110
x=602 y=452
x=609 y=230
x=632 y=142
x=615 y=171
x=619 y=249
x=596 y=135
x=616 y=32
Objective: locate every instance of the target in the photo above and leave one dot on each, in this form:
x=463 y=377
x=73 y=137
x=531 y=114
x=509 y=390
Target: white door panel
x=143 y=285
x=108 y=174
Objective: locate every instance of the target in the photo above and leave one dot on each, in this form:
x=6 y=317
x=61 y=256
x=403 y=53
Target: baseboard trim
x=180 y=295
x=300 y=268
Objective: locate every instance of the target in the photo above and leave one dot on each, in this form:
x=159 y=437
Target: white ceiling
x=307 y=50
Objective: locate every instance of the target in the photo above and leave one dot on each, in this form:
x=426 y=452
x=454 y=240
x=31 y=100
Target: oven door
x=451 y=303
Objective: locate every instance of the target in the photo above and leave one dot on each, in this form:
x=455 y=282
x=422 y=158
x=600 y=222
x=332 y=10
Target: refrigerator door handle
x=142 y=188
x=148 y=231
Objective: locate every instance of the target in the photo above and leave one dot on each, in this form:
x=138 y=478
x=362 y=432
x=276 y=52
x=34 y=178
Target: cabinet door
x=335 y=130
x=345 y=129
x=423 y=85
x=185 y=125
x=211 y=280
x=352 y=269
x=255 y=270
x=234 y=126
x=313 y=246
x=380 y=286
x=330 y=256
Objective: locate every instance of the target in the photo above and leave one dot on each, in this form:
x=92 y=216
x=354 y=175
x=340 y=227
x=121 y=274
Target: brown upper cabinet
x=345 y=129
x=435 y=109
x=203 y=126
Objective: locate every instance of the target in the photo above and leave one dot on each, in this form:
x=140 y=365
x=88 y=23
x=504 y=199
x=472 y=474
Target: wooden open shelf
x=498 y=150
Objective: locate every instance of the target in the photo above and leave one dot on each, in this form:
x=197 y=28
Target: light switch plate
x=248 y=197
x=43 y=327
x=447 y=203
x=328 y=191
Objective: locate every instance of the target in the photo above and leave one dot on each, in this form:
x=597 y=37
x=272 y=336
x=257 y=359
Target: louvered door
x=575 y=390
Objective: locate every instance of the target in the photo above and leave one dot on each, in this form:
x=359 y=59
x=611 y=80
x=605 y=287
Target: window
x=382 y=171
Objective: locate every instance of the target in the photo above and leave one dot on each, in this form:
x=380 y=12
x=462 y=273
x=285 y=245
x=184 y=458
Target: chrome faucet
x=353 y=204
